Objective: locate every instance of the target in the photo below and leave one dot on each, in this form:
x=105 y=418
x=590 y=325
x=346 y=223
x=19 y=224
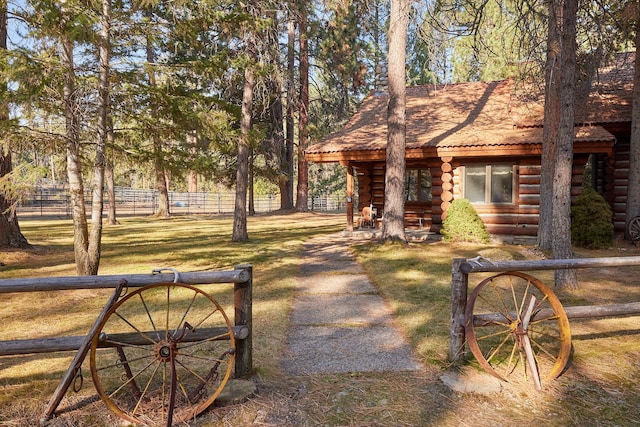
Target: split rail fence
x=241 y=277
x=462 y=268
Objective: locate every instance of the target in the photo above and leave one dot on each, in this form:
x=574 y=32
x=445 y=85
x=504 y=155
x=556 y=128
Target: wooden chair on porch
x=367 y=217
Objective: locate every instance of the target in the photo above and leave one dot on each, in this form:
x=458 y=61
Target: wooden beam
x=350 y=185
x=73 y=343
x=548 y=264
x=575 y=312
x=111 y=281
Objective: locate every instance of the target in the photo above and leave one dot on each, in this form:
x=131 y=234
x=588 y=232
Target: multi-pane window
x=488 y=184
x=417 y=185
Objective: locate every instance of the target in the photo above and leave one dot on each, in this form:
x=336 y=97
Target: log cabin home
x=483 y=142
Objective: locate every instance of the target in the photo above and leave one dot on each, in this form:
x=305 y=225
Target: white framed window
x=489 y=184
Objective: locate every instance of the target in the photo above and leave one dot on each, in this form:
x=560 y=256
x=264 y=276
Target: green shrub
x=591 y=221
x=463 y=224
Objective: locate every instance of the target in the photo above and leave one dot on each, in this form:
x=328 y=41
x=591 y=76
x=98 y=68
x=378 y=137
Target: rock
x=469 y=380
x=235 y=391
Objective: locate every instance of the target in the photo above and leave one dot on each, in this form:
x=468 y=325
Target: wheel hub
x=163 y=351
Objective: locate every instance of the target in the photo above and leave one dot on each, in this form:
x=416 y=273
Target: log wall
x=618 y=177
x=519 y=218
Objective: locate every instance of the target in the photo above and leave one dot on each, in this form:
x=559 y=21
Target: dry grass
x=600 y=387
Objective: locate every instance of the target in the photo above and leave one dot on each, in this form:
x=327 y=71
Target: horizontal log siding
x=364 y=187
x=618 y=191
x=436 y=198
x=377 y=185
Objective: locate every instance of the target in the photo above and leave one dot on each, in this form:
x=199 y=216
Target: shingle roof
x=480 y=114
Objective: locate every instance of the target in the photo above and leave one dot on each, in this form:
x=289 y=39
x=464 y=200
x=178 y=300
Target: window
x=417 y=185
x=488 y=184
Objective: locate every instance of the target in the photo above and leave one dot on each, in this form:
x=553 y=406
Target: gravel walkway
x=340 y=323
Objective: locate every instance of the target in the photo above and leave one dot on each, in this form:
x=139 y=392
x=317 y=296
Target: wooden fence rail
x=461 y=269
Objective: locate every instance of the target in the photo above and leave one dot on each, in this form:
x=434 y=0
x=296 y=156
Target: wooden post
x=459 y=285
x=349 y=198
x=243 y=302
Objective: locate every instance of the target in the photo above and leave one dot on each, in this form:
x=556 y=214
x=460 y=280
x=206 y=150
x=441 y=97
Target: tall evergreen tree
x=561 y=245
x=72 y=135
x=302 y=192
x=393 y=226
x=104 y=48
x=550 y=125
x=633 y=189
x=10 y=234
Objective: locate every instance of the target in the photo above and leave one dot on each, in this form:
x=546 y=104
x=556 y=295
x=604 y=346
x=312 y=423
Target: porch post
x=349 y=198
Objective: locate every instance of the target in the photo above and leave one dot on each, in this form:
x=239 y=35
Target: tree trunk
x=192 y=178
x=111 y=192
x=10 y=234
x=303 y=118
x=242 y=175
x=291 y=108
x=564 y=154
x=97 y=206
x=279 y=144
x=393 y=225
x=633 y=189
x=252 y=205
x=276 y=114
x=550 y=127
x=74 y=162
x=158 y=152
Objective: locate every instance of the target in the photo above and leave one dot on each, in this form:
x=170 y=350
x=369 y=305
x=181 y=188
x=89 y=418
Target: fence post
x=243 y=301
x=459 y=286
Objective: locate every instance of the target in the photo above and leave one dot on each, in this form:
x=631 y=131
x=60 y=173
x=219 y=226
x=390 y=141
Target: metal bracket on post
x=176 y=273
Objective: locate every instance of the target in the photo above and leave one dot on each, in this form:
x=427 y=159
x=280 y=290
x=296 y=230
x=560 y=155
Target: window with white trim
x=489 y=184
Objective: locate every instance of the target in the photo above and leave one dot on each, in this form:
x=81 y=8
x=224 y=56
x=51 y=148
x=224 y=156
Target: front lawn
x=600 y=387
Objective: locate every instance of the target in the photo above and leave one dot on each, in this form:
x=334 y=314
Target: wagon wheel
x=170 y=350
x=496 y=327
x=633 y=229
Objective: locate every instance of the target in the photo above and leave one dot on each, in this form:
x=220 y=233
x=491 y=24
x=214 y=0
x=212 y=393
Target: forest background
x=191 y=95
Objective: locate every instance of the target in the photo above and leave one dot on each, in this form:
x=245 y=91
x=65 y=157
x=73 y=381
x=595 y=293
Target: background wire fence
x=46 y=202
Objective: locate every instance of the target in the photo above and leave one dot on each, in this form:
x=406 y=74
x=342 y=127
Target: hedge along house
x=481 y=142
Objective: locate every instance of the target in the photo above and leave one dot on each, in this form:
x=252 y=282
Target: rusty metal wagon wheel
x=162 y=354
x=633 y=229
x=515 y=324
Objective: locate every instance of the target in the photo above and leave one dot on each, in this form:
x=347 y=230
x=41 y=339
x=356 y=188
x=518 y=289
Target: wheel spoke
x=129 y=380
x=505 y=309
x=516 y=304
x=146 y=388
x=184 y=315
x=213 y=338
x=498 y=348
x=500 y=308
x=119 y=363
x=142 y=334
